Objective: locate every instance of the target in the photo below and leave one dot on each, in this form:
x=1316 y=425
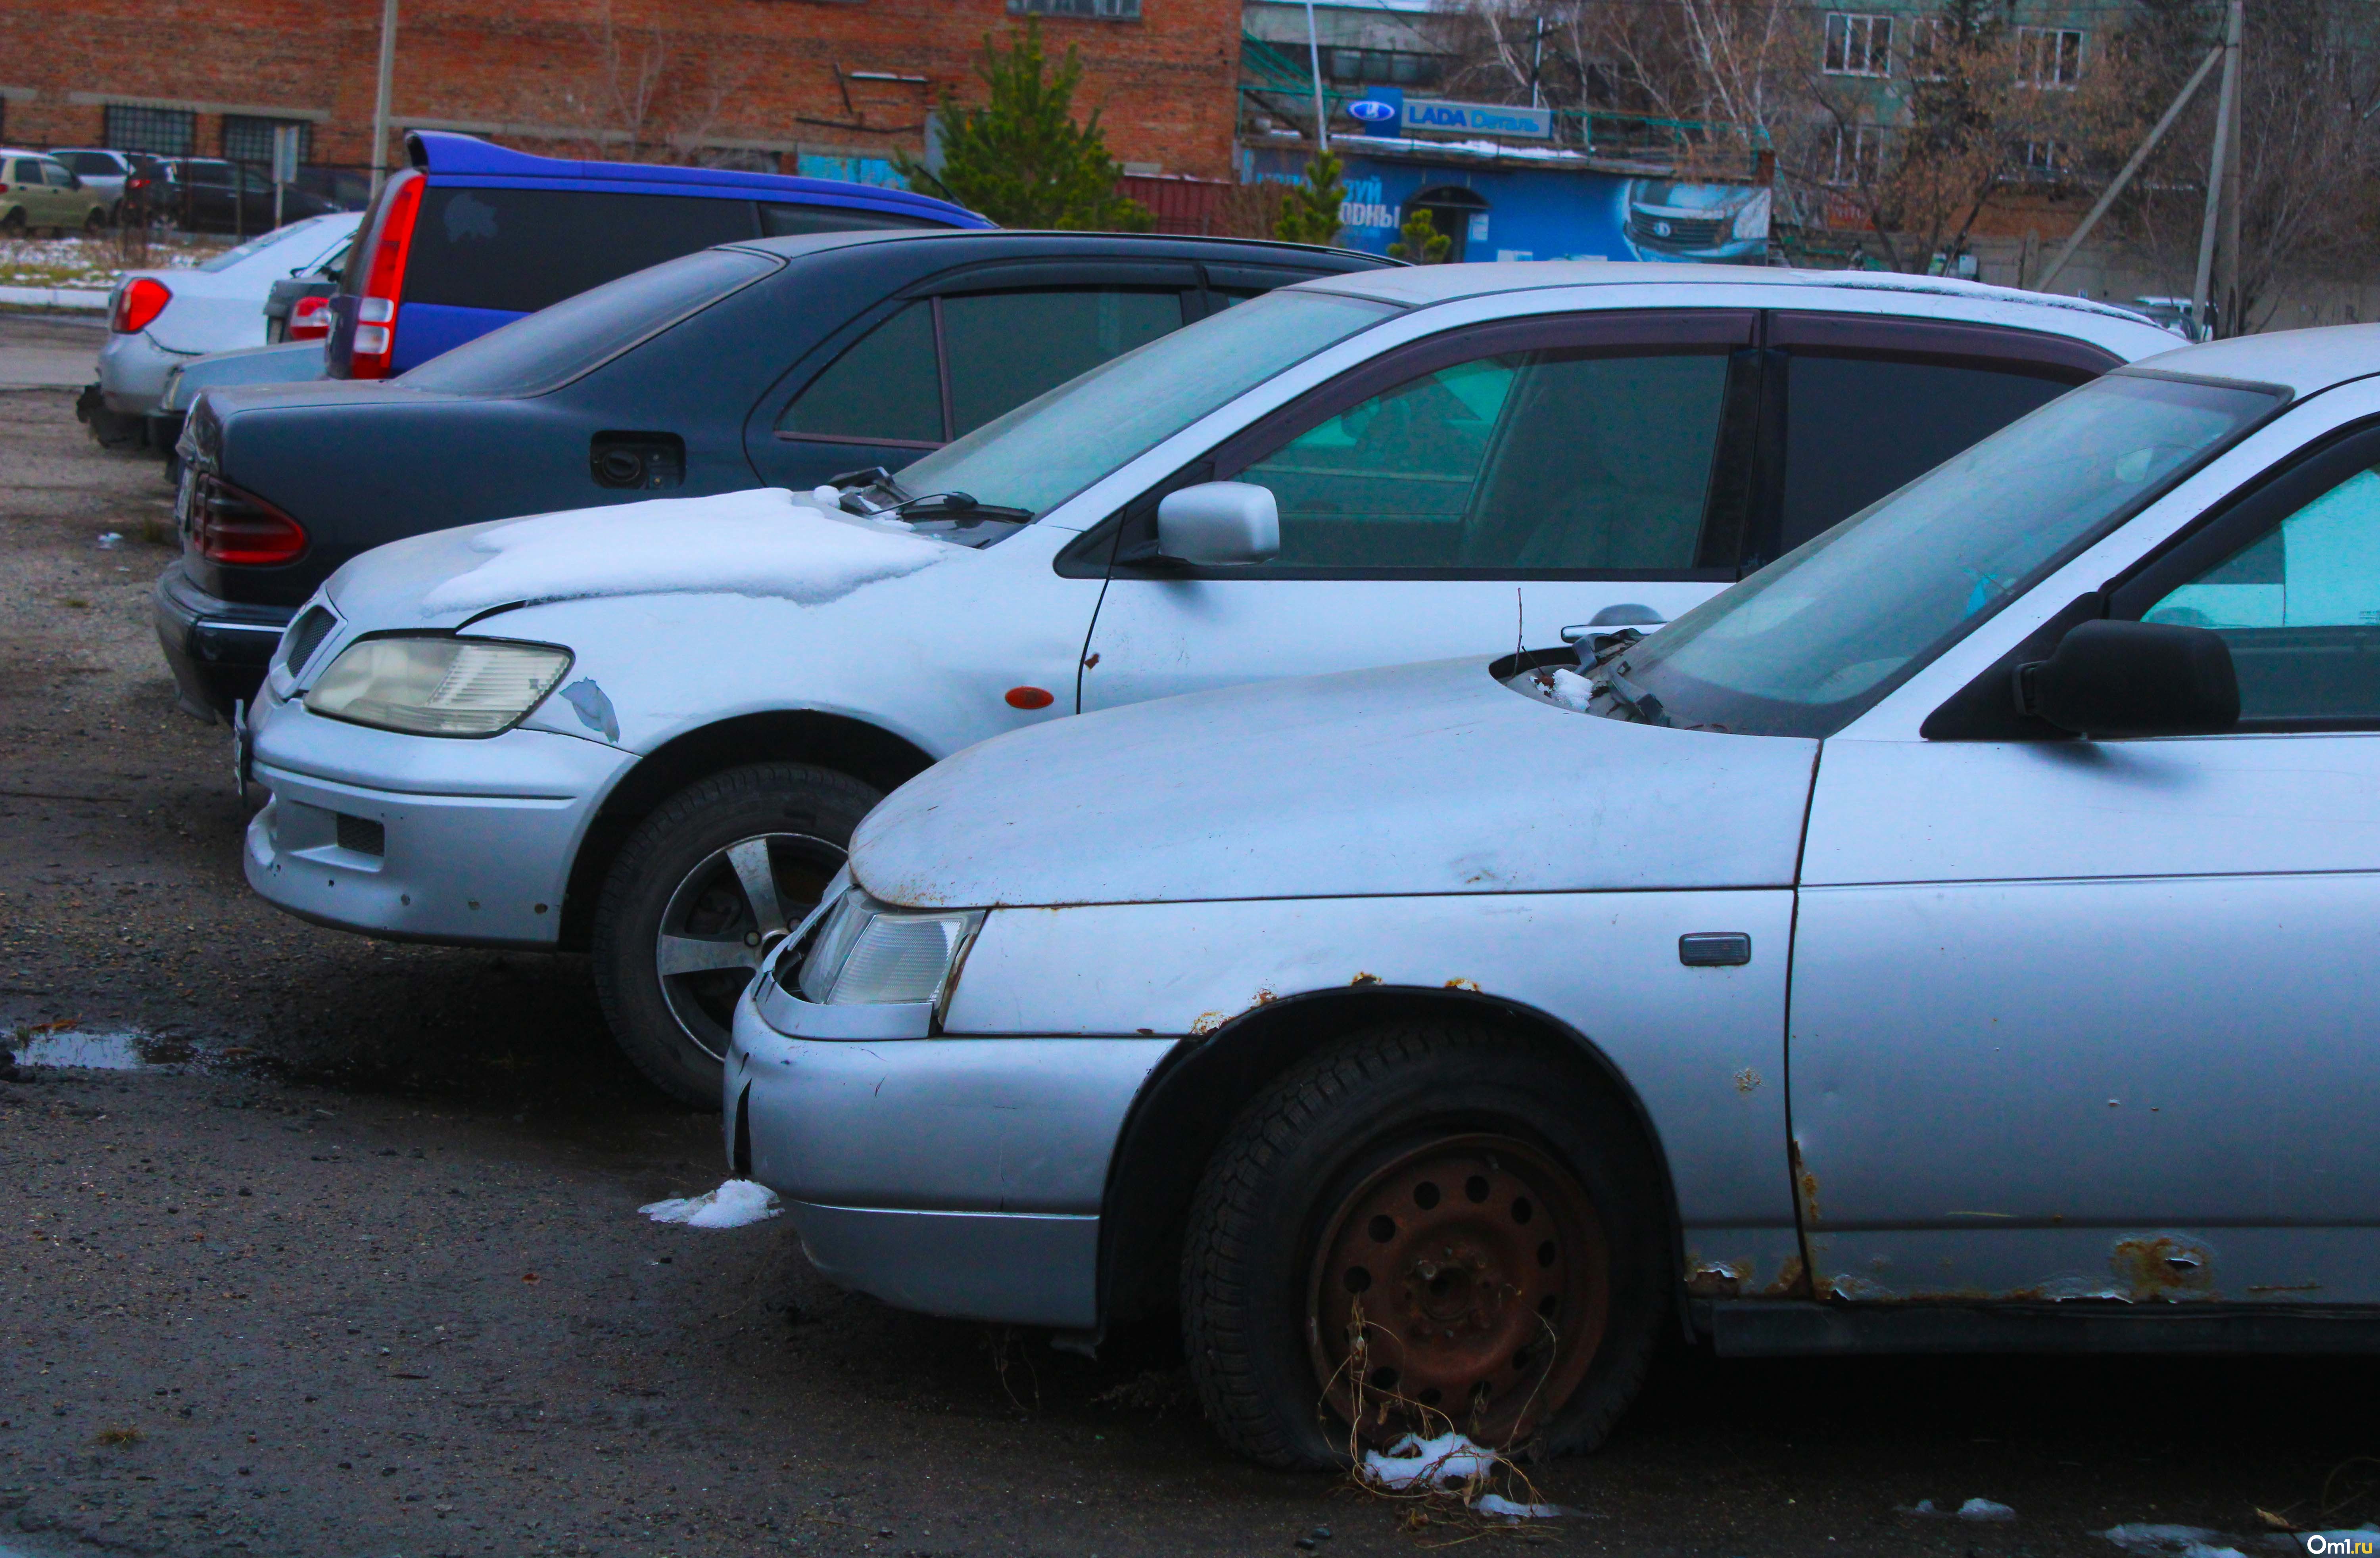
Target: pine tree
x=1020 y=158
x=1423 y=244
x=1311 y=212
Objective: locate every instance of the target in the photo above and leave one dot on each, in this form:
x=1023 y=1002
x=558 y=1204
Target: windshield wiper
x=958 y=506
x=1645 y=708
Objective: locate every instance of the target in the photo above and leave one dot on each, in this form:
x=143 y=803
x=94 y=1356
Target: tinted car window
x=548 y=349
x=1006 y=347
x=523 y=250
x=56 y=176
x=1549 y=459
x=885 y=389
x=780 y=221
x=91 y=164
x=1858 y=428
x=2300 y=607
x=24 y=170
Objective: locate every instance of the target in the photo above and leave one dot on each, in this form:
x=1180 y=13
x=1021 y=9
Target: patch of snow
x=1430 y=1463
x=2172 y=1542
x=767 y=541
x=1497 y=1504
x=1984 y=1509
x=733 y=1205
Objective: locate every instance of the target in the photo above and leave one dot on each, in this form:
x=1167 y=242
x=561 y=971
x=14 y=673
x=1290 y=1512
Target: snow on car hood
x=1414 y=779
x=763 y=543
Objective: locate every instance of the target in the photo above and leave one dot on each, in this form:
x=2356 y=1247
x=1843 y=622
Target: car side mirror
x=2133 y=678
x=1219 y=523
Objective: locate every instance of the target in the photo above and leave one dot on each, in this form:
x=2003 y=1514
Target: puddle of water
x=127 y=1051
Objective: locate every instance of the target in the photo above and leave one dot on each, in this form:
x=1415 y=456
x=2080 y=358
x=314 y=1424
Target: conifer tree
x=1311 y=212
x=1422 y=243
x=1019 y=157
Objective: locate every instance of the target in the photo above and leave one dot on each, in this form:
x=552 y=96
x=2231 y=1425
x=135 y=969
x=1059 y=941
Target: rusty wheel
x=1470 y=1277
x=1484 y=1201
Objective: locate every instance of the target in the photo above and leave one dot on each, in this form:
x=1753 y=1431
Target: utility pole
x=1314 y=56
x=2226 y=254
x=380 y=103
x=2190 y=89
x=1538 y=65
x=2221 y=178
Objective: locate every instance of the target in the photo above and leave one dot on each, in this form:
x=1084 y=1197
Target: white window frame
x=2050 y=57
x=1858 y=43
x=1859 y=153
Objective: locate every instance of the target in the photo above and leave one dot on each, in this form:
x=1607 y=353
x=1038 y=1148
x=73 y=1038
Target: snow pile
x=1449 y=1461
x=766 y=541
x=2172 y=1542
x=733 y=1205
x=1973 y=1509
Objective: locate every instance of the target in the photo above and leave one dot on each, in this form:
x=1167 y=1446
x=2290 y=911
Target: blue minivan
x=470 y=235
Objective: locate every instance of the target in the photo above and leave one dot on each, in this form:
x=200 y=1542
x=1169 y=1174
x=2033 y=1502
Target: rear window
x=779 y=221
x=548 y=349
x=522 y=250
x=91 y=164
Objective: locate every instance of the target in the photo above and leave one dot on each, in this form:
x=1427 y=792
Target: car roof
x=26 y=151
x=1420 y=286
x=445 y=154
x=1089 y=245
x=2304 y=361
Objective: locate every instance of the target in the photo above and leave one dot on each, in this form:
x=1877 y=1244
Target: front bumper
x=218 y=649
x=957 y=1176
x=421 y=838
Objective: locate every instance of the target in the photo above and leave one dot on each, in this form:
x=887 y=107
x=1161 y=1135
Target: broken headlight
x=438 y=686
x=868 y=953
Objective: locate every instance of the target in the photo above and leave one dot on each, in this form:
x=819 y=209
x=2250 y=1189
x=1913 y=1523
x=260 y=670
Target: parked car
x=38 y=192
x=706 y=374
x=106 y=173
x=673 y=715
x=281 y=363
x=1905 y=951
x=159 y=319
x=214 y=195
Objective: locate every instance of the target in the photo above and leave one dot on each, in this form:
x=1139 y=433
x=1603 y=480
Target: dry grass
x=119 y=1438
x=95 y=263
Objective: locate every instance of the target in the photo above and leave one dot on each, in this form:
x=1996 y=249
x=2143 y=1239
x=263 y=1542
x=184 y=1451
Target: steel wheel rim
x=1483 y=1278
x=728 y=913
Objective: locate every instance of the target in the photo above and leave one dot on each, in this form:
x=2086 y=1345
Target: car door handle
x=1714 y=949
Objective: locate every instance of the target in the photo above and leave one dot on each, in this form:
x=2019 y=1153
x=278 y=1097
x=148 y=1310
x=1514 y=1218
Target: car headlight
x=438 y=686
x=866 y=954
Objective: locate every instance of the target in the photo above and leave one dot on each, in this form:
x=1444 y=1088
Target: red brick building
x=828 y=87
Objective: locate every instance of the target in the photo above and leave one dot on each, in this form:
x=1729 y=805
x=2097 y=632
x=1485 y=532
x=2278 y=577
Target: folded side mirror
x=1218 y=522
x=2133 y=678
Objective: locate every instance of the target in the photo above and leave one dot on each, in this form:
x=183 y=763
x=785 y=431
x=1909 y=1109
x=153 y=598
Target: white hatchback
x=649 y=729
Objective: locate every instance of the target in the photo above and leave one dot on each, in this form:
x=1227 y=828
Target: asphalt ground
x=349 y=1262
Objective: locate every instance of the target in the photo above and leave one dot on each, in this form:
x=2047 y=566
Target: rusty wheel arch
x=864 y=752
x=1184 y=1110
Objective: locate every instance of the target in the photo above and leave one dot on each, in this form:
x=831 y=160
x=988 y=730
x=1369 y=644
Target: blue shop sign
x=1478 y=118
x=1378 y=106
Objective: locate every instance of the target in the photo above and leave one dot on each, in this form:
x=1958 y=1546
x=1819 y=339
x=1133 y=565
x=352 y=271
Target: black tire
x=94 y=223
x=14 y=223
x=682 y=874
x=1318 y=1142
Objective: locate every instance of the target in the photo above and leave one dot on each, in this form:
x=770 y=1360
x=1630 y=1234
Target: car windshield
x=255 y=247
x=1815 y=639
x=547 y=349
x=1050 y=448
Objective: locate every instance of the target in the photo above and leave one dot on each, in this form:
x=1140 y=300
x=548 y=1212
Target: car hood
x=1417 y=779
x=764 y=541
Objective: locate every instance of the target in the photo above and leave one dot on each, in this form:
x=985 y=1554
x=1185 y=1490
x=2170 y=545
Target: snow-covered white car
x=159 y=318
x=1956 y=937
x=649 y=730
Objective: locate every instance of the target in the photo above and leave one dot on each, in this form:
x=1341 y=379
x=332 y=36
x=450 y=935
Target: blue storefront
x=1502 y=201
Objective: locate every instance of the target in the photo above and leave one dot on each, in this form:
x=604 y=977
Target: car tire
x=13 y=225
x=1551 y=1207
x=690 y=878
x=94 y=223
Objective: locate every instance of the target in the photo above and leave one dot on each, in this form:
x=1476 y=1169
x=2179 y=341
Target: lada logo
x=1372 y=113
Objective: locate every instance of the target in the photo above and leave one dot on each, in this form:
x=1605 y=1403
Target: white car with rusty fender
x=649 y=730
x=1957 y=935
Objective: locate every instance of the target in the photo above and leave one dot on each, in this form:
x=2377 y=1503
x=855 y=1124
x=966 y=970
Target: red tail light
x=375 y=338
x=239 y=528
x=142 y=299
x=309 y=319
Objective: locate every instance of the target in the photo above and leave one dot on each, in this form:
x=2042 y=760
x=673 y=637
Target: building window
x=1858 y=45
x=1924 y=42
x=2048 y=56
x=161 y=132
x=1859 y=153
x=2047 y=161
x=1383 y=67
x=1098 y=10
x=248 y=138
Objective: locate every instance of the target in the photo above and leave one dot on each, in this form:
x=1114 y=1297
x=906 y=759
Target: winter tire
x=1426 y=1226
x=703 y=890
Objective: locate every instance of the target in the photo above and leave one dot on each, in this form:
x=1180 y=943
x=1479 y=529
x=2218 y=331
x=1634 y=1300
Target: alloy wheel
x=728 y=913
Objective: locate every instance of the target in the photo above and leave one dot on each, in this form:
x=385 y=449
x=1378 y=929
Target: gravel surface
x=348 y=1262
